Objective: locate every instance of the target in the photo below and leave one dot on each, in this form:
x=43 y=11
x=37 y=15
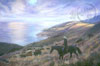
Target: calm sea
x=21 y=33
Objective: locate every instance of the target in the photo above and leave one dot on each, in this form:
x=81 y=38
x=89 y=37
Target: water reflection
x=19 y=32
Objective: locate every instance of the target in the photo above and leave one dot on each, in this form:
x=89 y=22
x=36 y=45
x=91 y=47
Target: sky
x=28 y=17
x=48 y=10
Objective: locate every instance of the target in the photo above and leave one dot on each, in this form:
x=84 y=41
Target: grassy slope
x=7 y=48
x=73 y=32
x=77 y=31
x=91 y=56
x=95 y=29
x=90 y=47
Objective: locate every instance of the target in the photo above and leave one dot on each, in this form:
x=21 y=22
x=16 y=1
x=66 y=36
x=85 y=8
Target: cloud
x=45 y=10
x=18 y=7
x=3 y=9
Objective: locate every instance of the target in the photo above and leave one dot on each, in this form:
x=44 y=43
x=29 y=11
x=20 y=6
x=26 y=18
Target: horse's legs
x=76 y=54
x=70 y=55
x=59 y=56
x=62 y=57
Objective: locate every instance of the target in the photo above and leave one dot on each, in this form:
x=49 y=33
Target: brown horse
x=62 y=50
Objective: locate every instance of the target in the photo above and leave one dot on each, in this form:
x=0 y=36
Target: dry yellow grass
x=41 y=60
x=3 y=64
x=82 y=25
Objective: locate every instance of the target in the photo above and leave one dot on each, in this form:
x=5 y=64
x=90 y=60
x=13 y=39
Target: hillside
x=8 y=47
x=58 y=29
x=56 y=33
x=89 y=43
x=94 y=20
x=95 y=29
x=77 y=34
x=63 y=28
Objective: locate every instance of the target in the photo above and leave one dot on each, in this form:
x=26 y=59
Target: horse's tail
x=79 y=51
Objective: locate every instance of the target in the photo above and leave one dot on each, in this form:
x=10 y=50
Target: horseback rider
x=62 y=50
x=65 y=43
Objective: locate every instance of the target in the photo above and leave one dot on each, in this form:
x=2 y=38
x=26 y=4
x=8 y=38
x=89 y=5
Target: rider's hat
x=65 y=37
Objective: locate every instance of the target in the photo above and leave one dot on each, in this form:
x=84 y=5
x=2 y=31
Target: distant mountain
x=57 y=29
x=95 y=29
x=8 y=47
x=62 y=28
x=94 y=20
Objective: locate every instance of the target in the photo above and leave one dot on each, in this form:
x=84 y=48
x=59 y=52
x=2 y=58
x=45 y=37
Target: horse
x=62 y=50
x=70 y=49
x=73 y=49
x=59 y=49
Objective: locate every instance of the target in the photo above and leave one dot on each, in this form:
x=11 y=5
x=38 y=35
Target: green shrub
x=92 y=60
x=13 y=50
x=90 y=35
x=37 y=52
x=79 y=40
x=22 y=55
x=52 y=63
x=1 y=54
